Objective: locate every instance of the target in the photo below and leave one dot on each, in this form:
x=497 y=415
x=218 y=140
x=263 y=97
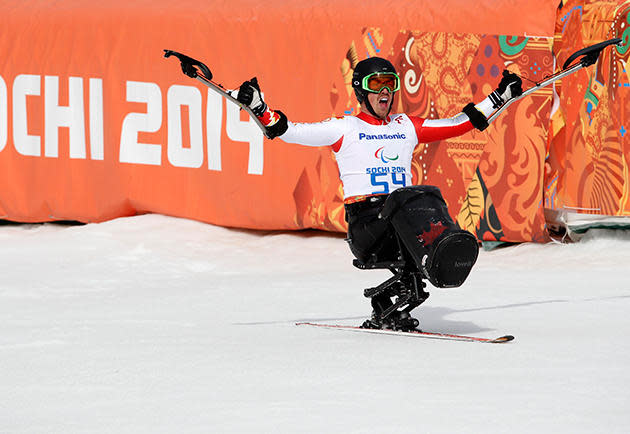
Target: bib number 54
x=381 y=181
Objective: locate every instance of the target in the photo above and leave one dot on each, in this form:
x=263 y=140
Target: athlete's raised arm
x=472 y=116
x=324 y=133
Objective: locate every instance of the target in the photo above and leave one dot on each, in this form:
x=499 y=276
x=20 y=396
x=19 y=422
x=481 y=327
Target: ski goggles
x=377 y=81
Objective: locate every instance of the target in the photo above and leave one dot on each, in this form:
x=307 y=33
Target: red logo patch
x=429 y=236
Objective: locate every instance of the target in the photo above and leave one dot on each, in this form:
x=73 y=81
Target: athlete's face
x=381 y=102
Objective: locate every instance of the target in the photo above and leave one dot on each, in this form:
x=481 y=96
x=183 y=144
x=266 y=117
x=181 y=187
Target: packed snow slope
x=153 y=324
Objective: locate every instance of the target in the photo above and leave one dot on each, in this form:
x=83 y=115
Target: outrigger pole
x=197 y=70
x=587 y=56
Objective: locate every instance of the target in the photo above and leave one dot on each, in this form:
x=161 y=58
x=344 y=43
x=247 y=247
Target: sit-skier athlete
x=391 y=224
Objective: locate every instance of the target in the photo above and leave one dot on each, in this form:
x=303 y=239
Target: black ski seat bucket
x=442 y=251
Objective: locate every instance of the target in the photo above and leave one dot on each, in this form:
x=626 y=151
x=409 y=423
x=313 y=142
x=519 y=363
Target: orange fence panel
x=95 y=124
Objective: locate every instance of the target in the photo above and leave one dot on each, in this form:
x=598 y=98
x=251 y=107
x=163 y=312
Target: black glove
x=275 y=123
x=511 y=86
x=278 y=128
x=249 y=95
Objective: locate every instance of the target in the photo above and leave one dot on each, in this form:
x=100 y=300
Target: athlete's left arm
x=432 y=130
x=472 y=116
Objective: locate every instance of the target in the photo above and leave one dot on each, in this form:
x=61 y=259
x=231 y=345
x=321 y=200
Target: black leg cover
x=451 y=259
x=444 y=253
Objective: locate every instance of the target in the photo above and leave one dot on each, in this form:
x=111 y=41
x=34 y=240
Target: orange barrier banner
x=96 y=124
x=589 y=152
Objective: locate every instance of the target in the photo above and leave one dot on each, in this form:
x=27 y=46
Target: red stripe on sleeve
x=417 y=123
x=427 y=134
x=337 y=145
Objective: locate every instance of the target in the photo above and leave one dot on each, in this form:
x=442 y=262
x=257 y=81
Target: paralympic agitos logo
x=380 y=154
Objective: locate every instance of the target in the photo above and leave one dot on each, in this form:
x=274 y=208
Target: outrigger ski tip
x=199 y=71
x=189 y=64
x=590 y=54
x=415 y=334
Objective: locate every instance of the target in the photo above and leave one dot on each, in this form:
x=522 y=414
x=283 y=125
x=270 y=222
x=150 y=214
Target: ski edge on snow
x=416 y=334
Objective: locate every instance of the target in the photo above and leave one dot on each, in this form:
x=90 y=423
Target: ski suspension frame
x=199 y=71
x=587 y=56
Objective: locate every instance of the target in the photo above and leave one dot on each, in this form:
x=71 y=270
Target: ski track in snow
x=153 y=324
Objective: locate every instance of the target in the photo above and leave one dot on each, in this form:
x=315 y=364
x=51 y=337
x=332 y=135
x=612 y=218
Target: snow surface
x=153 y=324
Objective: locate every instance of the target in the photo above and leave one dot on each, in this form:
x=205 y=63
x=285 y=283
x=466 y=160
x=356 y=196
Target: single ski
x=415 y=334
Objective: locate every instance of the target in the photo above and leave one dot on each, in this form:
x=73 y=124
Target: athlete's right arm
x=325 y=133
x=249 y=94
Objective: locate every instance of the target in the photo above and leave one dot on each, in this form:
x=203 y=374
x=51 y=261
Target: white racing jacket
x=374 y=156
